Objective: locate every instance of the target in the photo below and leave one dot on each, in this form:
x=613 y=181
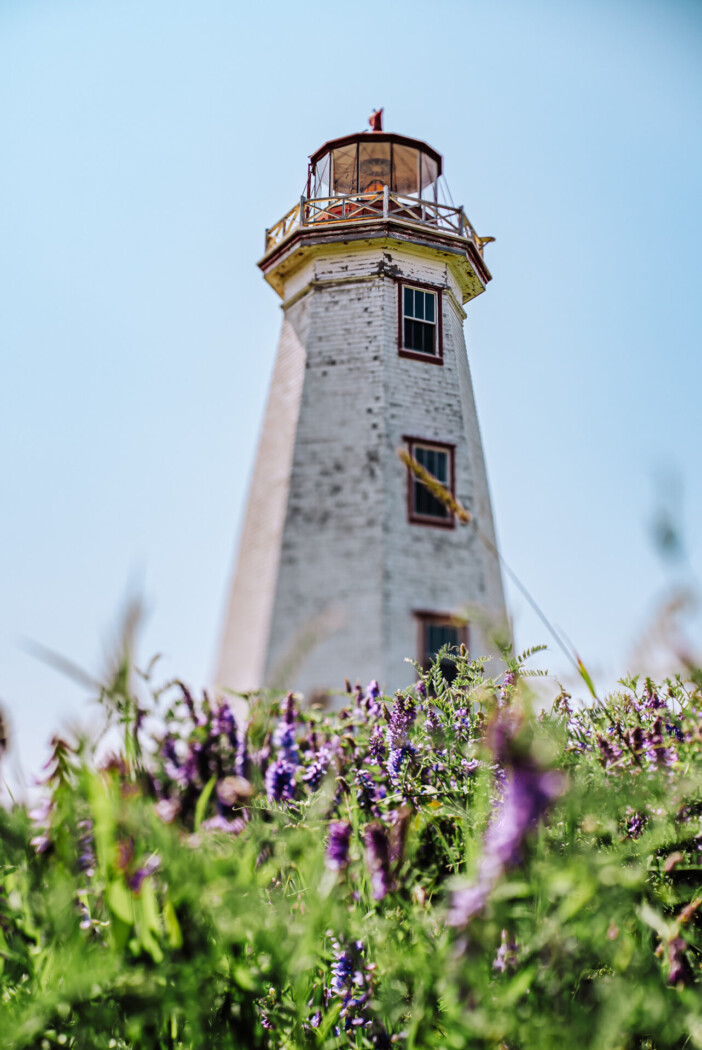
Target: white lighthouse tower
x=347 y=565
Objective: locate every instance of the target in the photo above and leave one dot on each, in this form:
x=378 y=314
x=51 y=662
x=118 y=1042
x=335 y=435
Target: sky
x=146 y=147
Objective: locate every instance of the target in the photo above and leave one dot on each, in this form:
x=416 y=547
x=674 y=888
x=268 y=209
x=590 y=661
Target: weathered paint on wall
x=330 y=570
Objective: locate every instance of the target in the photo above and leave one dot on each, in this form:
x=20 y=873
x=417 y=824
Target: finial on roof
x=376 y=120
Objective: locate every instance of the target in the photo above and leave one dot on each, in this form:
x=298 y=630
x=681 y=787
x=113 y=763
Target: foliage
x=442 y=868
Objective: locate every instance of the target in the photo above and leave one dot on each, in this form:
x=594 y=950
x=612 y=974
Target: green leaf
x=120 y=901
x=328 y=1021
x=518 y=986
x=201 y=807
x=172 y=926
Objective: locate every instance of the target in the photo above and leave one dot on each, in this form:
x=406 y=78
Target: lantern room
x=368 y=161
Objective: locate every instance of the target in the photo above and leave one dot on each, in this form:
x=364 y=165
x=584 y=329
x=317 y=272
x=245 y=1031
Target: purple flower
x=508 y=682
x=378 y=860
x=167 y=809
x=351 y=981
x=221 y=823
x=371 y=700
x=402 y=717
x=224 y=723
x=506 y=954
x=241 y=762
x=368 y=793
x=337 y=857
x=280 y=781
x=86 y=855
x=679 y=972
x=635 y=825
x=528 y=792
x=396 y=760
x=40 y=817
x=376 y=747
x=152 y=864
x=431 y=719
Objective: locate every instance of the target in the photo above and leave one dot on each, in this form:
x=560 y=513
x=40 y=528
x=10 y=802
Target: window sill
x=437 y=523
x=417 y=355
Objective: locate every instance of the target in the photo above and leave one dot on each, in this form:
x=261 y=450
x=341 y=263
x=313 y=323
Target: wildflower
x=635 y=824
x=506 y=954
x=337 y=857
x=376 y=747
x=167 y=809
x=371 y=700
x=233 y=789
x=86 y=855
x=378 y=860
x=401 y=718
x=280 y=781
x=368 y=793
x=220 y=823
x=396 y=760
x=350 y=980
x=152 y=864
x=40 y=818
x=679 y=972
x=527 y=794
x=508 y=681
x=431 y=719
x=314 y=773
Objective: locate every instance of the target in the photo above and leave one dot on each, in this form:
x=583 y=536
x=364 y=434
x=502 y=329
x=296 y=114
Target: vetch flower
x=337 y=856
x=506 y=954
x=280 y=781
x=528 y=792
x=378 y=860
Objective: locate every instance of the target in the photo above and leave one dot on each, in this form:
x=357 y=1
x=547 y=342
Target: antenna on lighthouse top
x=376 y=119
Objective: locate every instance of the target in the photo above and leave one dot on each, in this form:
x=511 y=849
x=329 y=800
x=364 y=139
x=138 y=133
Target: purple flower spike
x=506 y=954
x=679 y=968
x=280 y=781
x=378 y=859
x=528 y=792
x=135 y=880
x=337 y=857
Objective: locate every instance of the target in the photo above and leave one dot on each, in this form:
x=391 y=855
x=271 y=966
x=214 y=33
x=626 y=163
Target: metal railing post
x=386 y=201
x=302 y=211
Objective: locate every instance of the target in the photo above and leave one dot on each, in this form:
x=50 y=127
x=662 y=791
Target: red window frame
x=425 y=618
x=426 y=519
x=417 y=355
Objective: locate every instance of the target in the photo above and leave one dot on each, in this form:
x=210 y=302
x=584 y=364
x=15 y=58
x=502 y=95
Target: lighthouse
x=347 y=563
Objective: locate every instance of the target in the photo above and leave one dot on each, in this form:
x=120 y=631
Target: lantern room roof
x=378 y=136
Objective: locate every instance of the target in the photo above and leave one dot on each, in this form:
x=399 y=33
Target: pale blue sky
x=146 y=146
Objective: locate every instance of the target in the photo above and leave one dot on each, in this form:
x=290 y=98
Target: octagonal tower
x=346 y=564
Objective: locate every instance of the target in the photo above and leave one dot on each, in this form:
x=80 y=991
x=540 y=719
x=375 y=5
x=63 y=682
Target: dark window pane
x=440 y=634
x=436 y=462
x=418 y=335
x=429 y=306
x=427 y=504
x=409 y=302
x=419 y=304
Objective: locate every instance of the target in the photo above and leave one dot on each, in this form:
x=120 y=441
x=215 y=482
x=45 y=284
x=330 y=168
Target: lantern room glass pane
x=344 y=169
x=321 y=176
x=405 y=170
x=429 y=176
x=374 y=166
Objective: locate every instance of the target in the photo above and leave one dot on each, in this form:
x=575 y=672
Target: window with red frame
x=437 y=630
x=424 y=508
x=420 y=333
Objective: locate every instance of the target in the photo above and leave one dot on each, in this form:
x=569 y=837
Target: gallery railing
x=357 y=207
